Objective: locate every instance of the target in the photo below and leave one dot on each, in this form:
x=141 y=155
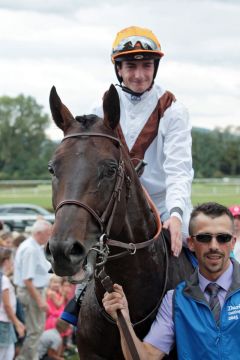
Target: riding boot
x=72 y=309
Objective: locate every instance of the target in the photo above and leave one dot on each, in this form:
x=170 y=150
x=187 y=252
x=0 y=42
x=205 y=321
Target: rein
x=105 y=280
x=131 y=247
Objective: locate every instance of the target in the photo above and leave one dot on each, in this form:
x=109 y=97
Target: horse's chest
x=97 y=338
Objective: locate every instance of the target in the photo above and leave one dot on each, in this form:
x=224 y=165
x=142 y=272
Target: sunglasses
x=207 y=238
x=136 y=42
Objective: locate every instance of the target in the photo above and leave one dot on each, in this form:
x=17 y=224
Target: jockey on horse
x=155 y=128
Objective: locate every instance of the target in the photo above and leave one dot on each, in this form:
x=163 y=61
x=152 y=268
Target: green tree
x=216 y=153
x=205 y=153
x=230 y=161
x=24 y=147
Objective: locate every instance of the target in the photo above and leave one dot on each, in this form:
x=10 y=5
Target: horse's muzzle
x=66 y=258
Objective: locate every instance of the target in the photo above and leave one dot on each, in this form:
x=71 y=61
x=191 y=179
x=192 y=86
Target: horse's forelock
x=87 y=120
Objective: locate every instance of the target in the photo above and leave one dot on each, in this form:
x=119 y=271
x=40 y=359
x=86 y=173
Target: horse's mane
x=87 y=120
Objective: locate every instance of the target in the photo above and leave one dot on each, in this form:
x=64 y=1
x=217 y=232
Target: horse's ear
x=60 y=113
x=111 y=107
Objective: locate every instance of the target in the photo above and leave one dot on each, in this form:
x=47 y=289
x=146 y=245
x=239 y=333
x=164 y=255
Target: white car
x=16 y=217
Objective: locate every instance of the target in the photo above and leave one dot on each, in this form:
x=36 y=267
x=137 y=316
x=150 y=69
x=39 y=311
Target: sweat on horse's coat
x=86 y=172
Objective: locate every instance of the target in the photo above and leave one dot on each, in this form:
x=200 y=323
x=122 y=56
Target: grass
x=72 y=357
x=226 y=194
x=38 y=195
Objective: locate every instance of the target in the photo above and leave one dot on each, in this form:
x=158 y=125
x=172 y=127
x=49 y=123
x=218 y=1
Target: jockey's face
x=137 y=75
x=213 y=257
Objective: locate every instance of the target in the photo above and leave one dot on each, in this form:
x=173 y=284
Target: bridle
x=106 y=219
x=101 y=247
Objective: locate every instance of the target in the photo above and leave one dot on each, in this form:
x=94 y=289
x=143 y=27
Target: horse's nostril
x=77 y=250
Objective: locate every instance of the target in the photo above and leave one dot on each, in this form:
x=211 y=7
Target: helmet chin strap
x=133 y=93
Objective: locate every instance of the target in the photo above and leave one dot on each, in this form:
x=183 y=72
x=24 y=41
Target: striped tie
x=214 y=303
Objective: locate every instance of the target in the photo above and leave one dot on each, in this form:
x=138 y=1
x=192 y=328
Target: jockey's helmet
x=136 y=43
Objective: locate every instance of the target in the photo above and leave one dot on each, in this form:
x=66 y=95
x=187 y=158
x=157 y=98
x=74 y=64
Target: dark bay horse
x=102 y=214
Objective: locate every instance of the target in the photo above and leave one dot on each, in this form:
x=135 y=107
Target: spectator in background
x=235 y=210
x=68 y=290
x=55 y=301
x=8 y=318
x=1 y=231
x=7 y=238
x=18 y=238
x=50 y=344
x=31 y=277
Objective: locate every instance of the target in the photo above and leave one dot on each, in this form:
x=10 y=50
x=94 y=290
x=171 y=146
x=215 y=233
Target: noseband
x=115 y=197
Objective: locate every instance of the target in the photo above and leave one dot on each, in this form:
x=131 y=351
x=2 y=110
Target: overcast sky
x=67 y=43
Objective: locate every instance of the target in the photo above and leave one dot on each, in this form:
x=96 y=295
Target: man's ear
x=190 y=242
x=233 y=242
x=118 y=68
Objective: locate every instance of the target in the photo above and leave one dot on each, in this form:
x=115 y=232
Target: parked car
x=16 y=217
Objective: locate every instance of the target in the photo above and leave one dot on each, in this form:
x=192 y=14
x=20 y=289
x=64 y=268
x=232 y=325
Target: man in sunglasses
x=155 y=128
x=202 y=315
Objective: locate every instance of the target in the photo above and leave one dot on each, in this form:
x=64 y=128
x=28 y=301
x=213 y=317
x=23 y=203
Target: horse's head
x=88 y=181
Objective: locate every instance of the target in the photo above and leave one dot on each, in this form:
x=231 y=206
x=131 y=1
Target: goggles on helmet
x=136 y=43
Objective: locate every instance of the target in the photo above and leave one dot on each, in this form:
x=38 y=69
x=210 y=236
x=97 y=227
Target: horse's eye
x=110 y=171
x=107 y=170
x=50 y=168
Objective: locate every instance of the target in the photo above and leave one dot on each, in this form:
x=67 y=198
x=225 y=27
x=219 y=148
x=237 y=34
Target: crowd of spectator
x=31 y=298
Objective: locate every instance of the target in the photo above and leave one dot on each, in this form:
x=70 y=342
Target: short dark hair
x=210 y=209
x=18 y=240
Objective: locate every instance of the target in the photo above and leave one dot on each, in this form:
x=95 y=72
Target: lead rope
x=108 y=286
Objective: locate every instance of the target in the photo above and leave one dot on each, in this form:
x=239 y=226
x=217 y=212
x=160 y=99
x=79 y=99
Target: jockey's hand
x=174 y=225
x=116 y=301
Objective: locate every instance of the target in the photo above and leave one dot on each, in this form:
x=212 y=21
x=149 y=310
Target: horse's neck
x=139 y=223
x=141 y=275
